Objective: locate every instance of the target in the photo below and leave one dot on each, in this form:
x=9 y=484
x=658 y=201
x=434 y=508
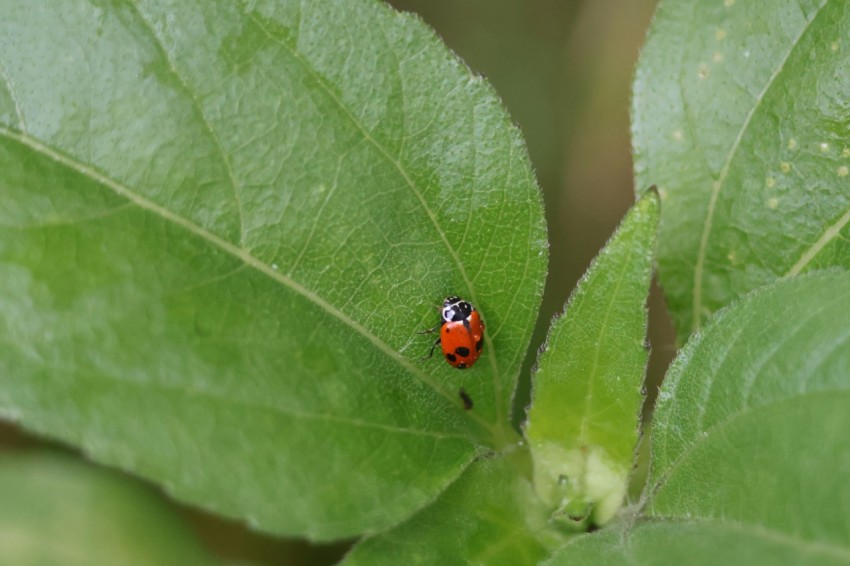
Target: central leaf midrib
x=594 y=368
x=359 y=126
x=717 y=186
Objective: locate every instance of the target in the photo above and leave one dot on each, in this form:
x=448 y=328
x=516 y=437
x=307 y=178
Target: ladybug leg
x=430 y=330
x=431 y=353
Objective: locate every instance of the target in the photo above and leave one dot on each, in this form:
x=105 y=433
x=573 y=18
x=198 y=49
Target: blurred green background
x=563 y=69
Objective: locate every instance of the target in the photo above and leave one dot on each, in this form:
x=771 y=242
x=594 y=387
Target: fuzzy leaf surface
x=749 y=445
x=222 y=226
x=583 y=423
x=740 y=117
x=697 y=543
x=749 y=425
x=490 y=516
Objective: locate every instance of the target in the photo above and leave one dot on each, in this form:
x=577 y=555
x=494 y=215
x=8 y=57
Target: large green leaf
x=740 y=117
x=749 y=442
x=695 y=543
x=223 y=225
x=583 y=422
x=58 y=510
x=489 y=516
x=751 y=420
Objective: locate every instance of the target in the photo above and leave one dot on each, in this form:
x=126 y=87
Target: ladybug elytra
x=461 y=333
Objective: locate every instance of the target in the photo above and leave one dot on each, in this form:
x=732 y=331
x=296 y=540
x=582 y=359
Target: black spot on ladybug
x=462 y=351
x=451 y=357
x=461 y=366
x=467 y=400
x=448 y=329
x=478 y=345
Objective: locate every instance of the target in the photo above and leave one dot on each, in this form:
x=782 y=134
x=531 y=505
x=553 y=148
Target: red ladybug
x=461 y=333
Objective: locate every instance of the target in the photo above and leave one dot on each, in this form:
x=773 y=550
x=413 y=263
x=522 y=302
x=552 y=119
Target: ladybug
x=461 y=333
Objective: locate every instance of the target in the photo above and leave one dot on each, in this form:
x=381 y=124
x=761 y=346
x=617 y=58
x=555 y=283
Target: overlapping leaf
x=749 y=443
x=58 y=510
x=489 y=516
x=740 y=117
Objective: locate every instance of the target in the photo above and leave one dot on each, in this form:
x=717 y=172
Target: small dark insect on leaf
x=467 y=400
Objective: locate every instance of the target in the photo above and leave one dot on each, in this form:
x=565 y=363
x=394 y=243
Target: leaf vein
x=10 y=88
x=728 y=421
x=199 y=111
x=594 y=369
x=237 y=252
x=810 y=253
x=254 y=404
x=396 y=163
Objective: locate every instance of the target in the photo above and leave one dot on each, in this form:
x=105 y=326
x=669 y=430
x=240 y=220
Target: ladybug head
x=456 y=309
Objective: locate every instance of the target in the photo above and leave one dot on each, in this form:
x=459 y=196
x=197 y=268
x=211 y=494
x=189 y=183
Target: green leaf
x=583 y=423
x=489 y=516
x=740 y=117
x=696 y=543
x=58 y=510
x=224 y=225
x=749 y=440
x=751 y=420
